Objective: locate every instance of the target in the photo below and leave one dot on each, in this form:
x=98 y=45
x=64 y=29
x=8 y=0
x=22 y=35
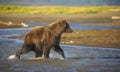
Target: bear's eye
x=66 y=27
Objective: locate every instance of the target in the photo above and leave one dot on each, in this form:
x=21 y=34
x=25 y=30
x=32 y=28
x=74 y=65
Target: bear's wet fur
x=41 y=39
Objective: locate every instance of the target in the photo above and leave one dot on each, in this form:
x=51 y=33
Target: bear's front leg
x=38 y=53
x=59 y=50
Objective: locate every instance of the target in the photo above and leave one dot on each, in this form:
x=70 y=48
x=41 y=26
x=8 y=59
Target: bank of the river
x=98 y=38
x=12 y=25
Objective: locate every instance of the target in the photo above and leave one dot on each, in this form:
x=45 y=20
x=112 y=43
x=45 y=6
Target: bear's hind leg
x=25 y=49
x=20 y=52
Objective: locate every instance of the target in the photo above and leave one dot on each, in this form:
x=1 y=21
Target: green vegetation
x=55 y=9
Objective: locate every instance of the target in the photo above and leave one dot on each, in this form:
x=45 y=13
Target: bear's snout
x=69 y=30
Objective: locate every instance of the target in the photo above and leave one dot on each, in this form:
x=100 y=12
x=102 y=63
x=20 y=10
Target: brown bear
x=41 y=39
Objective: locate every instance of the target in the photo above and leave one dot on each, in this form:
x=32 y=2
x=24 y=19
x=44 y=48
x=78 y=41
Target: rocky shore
x=12 y=25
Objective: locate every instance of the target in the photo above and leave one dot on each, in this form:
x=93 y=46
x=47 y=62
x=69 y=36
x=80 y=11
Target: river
x=78 y=58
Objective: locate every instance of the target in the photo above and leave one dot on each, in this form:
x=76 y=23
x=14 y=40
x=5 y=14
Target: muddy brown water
x=78 y=58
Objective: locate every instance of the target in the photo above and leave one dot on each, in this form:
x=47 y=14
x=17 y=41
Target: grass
x=55 y=9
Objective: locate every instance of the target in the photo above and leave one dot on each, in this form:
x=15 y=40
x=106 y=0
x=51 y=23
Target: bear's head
x=61 y=25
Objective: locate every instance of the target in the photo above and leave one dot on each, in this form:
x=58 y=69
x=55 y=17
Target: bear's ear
x=53 y=26
x=64 y=20
x=61 y=21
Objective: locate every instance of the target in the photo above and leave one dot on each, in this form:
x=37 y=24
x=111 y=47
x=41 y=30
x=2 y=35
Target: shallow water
x=78 y=58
